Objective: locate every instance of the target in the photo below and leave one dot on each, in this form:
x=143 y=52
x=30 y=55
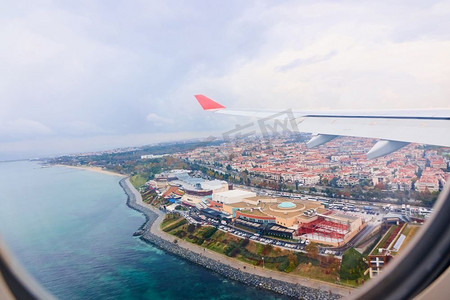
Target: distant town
x=414 y=174
x=342 y=160
x=338 y=168
x=328 y=206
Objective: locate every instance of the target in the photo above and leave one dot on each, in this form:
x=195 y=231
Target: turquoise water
x=71 y=229
x=286 y=205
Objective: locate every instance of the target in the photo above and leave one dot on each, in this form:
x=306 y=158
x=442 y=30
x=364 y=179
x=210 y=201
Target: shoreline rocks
x=280 y=287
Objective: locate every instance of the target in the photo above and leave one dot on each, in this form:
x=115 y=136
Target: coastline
x=278 y=282
x=92 y=169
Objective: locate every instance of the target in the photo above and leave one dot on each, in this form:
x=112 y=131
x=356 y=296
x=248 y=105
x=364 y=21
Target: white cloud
x=339 y=56
x=24 y=127
x=158 y=120
x=81 y=128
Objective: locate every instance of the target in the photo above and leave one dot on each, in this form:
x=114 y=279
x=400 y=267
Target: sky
x=94 y=75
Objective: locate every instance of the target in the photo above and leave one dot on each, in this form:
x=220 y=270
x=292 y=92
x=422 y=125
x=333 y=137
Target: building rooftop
x=235 y=193
x=343 y=217
x=288 y=209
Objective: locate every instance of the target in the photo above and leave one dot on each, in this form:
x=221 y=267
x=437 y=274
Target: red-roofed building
x=430 y=183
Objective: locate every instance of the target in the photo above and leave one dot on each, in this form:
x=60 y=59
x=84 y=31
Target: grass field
x=352 y=267
x=383 y=239
x=410 y=231
x=170 y=219
x=137 y=180
x=173 y=223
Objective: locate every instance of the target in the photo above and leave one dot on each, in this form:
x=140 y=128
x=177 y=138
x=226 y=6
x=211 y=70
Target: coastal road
x=312 y=283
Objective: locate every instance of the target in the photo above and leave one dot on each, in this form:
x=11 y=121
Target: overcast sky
x=89 y=75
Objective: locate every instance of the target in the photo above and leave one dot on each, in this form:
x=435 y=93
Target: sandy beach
x=311 y=283
x=93 y=169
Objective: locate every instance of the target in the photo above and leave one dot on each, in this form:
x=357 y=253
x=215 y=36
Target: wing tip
x=207 y=103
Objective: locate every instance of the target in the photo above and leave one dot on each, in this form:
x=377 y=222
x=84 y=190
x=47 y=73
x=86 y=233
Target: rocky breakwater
x=281 y=287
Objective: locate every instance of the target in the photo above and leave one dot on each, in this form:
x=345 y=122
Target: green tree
x=353 y=265
x=312 y=250
x=191 y=228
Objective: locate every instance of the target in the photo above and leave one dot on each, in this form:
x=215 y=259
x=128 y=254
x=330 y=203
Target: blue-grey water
x=71 y=229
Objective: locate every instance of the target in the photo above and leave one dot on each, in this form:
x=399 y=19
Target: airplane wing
x=394 y=128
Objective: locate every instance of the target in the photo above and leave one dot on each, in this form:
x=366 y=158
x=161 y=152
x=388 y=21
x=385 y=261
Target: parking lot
x=296 y=246
x=299 y=246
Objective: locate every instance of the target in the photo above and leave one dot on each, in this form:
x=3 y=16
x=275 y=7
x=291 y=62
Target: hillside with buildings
x=338 y=168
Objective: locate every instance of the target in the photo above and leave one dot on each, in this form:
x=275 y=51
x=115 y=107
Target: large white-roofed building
x=232 y=196
x=216 y=186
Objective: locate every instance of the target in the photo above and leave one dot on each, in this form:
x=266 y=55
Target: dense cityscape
x=284 y=163
x=328 y=206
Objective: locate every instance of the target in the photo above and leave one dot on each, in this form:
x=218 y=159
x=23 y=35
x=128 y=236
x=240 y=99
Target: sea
x=72 y=231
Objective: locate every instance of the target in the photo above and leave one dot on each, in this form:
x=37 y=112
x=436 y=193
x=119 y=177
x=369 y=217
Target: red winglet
x=207 y=103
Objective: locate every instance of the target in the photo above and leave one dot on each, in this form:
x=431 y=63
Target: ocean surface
x=71 y=229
